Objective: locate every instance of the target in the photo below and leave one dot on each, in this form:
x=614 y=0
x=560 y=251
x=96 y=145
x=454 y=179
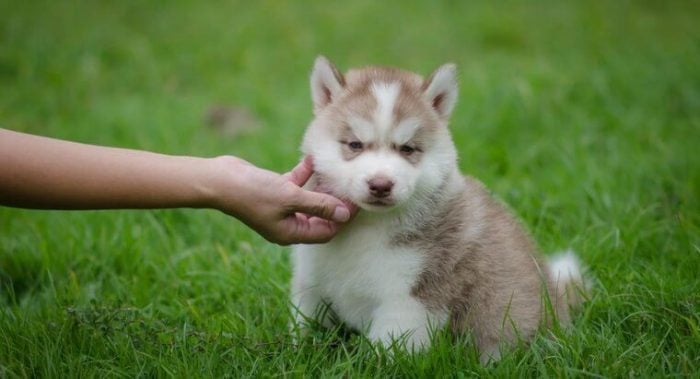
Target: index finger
x=302 y=172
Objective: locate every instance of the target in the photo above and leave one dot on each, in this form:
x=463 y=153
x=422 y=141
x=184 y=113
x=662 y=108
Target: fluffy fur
x=430 y=247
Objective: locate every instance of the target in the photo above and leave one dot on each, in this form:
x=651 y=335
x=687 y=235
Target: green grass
x=583 y=116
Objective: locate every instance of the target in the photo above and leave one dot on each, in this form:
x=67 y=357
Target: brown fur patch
x=480 y=267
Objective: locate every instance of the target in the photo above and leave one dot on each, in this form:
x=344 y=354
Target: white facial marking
x=386 y=94
x=363 y=129
x=405 y=130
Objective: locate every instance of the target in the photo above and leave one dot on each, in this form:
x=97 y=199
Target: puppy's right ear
x=326 y=83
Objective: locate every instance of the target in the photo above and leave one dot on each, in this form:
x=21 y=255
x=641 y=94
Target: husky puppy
x=430 y=247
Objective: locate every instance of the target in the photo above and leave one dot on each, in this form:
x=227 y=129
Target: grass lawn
x=583 y=116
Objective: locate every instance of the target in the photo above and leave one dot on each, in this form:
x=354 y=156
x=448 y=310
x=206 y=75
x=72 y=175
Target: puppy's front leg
x=307 y=304
x=406 y=321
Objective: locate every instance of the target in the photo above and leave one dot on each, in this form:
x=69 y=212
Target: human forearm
x=45 y=173
x=38 y=172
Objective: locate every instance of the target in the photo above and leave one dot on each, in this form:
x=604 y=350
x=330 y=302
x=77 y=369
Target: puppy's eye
x=407 y=150
x=355 y=145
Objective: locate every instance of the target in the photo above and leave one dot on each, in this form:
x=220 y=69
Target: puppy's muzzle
x=380 y=187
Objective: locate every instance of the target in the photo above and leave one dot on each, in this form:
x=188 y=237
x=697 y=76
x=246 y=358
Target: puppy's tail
x=568 y=283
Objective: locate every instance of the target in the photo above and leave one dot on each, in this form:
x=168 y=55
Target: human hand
x=275 y=205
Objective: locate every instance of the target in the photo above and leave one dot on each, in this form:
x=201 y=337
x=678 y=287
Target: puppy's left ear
x=326 y=83
x=440 y=89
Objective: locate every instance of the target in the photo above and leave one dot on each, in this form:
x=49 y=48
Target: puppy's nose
x=380 y=186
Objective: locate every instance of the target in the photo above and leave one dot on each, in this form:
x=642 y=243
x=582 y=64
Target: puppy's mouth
x=381 y=202
x=373 y=203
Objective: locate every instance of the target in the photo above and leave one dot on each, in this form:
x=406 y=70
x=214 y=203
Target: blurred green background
x=583 y=116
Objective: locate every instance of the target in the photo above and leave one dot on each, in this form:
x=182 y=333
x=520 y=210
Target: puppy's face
x=380 y=135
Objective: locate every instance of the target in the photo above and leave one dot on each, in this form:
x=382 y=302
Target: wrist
x=218 y=181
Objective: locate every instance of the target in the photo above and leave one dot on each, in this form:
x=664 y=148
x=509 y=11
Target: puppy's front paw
x=409 y=339
x=491 y=354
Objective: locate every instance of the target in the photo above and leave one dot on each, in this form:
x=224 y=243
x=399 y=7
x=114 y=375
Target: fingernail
x=341 y=214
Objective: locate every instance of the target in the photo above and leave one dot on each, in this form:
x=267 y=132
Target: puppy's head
x=380 y=138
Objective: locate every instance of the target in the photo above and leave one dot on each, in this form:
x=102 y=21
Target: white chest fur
x=365 y=278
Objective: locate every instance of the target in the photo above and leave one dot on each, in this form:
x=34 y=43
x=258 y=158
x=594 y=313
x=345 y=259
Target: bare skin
x=45 y=173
